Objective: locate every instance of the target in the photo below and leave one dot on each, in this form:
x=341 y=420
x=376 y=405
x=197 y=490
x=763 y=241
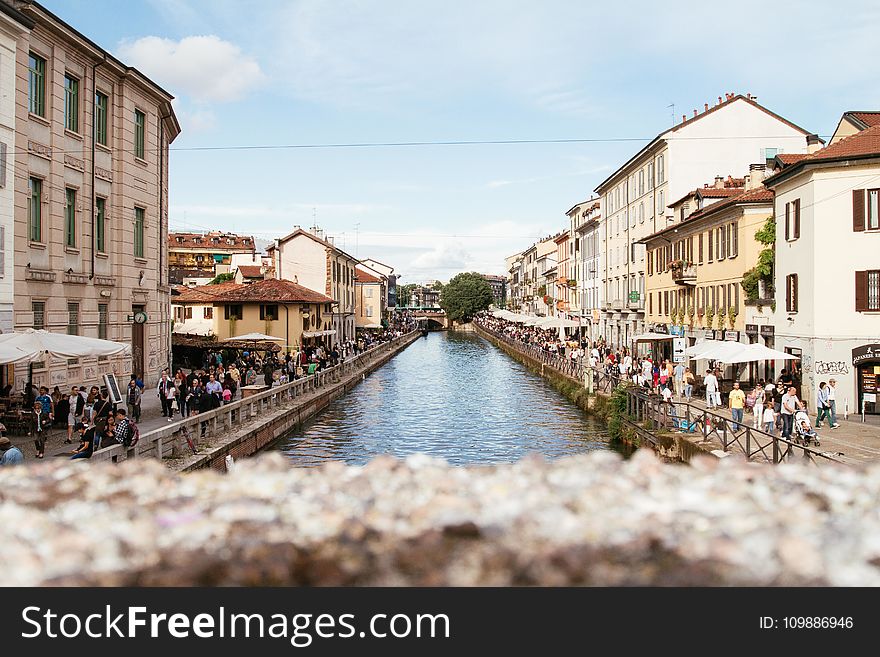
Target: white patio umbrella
x=721 y=351
x=750 y=353
x=254 y=336
x=700 y=347
x=558 y=322
x=31 y=345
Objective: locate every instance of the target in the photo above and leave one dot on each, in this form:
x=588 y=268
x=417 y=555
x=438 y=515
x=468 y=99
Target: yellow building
x=695 y=266
x=369 y=293
x=275 y=307
x=195 y=255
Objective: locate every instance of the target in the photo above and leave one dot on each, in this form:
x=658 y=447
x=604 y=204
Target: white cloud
x=199 y=120
x=204 y=68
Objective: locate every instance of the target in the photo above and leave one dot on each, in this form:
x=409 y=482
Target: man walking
x=832 y=390
x=162 y=391
x=678 y=374
x=736 y=400
x=711 y=383
x=790 y=404
x=133 y=400
x=9 y=453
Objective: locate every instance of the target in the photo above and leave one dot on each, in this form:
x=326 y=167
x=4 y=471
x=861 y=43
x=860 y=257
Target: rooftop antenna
x=671 y=106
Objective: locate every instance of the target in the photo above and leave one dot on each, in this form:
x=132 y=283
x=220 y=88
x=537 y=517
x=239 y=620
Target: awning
x=652 y=337
x=317 y=334
x=32 y=345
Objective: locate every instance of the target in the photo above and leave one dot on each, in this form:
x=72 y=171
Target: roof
x=203 y=293
x=710 y=192
x=251 y=271
x=329 y=245
x=863 y=120
x=188 y=241
x=273 y=289
x=731 y=98
x=360 y=276
x=787 y=159
x=759 y=195
x=861 y=145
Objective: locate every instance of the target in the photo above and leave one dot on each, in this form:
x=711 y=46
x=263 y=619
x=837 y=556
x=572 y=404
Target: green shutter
x=35 y=221
x=71 y=103
x=70 y=219
x=138 y=232
x=100 y=206
x=101 y=118
x=140 y=125
x=37 y=85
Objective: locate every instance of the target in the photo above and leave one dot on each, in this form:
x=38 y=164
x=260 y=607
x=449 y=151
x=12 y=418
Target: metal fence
x=170 y=440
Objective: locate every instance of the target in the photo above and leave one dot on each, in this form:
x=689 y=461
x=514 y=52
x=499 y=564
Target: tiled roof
x=215 y=241
x=866 y=142
x=273 y=289
x=714 y=192
x=868 y=118
x=757 y=195
x=791 y=158
x=204 y=293
x=320 y=240
x=250 y=271
x=360 y=276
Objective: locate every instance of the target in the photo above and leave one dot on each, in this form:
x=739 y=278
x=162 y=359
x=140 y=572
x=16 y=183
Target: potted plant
x=721 y=314
x=731 y=316
x=710 y=314
x=691 y=312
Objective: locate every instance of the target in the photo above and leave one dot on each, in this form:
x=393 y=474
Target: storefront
x=866 y=362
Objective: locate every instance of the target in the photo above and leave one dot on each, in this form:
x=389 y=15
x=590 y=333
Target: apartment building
x=91 y=201
x=827 y=269
x=307 y=258
x=515 y=273
x=197 y=255
x=590 y=267
x=561 y=287
x=726 y=137
x=499 y=289
x=370 y=298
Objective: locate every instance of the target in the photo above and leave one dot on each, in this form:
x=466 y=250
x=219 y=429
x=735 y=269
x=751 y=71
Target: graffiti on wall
x=807 y=363
x=832 y=367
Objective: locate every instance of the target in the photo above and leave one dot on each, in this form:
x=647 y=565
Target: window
x=868 y=291
x=641 y=213
x=650 y=264
x=770 y=153
x=791 y=293
x=661 y=173
x=102 y=321
x=72 y=319
x=711 y=240
x=733 y=240
x=641 y=181
x=368 y=293
x=188 y=312
x=722 y=242
x=651 y=176
x=39 y=310
x=369 y=311
x=71 y=103
x=70 y=219
x=209 y=312
x=101 y=118
x=139 y=232
x=269 y=311
x=232 y=311
x=35 y=205
x=37 y=85
x=100 y=211
x=866 y=209
x=140 y=132
x=661 y=210
x=793 y=220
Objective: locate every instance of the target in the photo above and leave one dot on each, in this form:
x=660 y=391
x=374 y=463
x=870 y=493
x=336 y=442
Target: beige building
x=203 y=255
x=852 y=122
x=370 y=298
x=192 y=308
x=308 y=259
x=91 y=201
x=565 y=283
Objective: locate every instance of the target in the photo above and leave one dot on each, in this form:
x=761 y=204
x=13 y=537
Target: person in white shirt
x=769 y=418
x=667 y=394
x=711 y=383
x=832 y=402
x=790 y=405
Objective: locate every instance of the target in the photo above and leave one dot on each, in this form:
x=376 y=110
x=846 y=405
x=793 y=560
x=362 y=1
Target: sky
x=316 y=72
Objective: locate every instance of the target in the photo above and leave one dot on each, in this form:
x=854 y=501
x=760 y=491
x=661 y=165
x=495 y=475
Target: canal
x=452 y=395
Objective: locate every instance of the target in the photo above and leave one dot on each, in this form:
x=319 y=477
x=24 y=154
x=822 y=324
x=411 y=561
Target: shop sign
x=676 y=330
x=768 y=331
x=678 y=347
x=751 y=329
x=731 y=336
x=708 y=334
x=866 y=353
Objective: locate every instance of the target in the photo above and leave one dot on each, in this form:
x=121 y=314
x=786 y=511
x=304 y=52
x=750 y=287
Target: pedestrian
x=769 y=418
x=162 y=393
x=790 y=405
x=101 y=412
x=832 y=402
x=9 y=453
x=88 y=441
x=170 y=396
x=823 y=408
x=678 y=378
x=37 y=429
x=76 y=405
x=710 y=381
x=736 y=401
x=133 y=400
x=122 y=429
x=756 y=401
x=688 y=383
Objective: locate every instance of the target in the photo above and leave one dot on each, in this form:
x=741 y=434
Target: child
x=769 y=418
x=227 y=395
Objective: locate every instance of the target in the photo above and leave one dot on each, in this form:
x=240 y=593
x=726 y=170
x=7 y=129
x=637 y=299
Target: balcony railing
x=684 y=274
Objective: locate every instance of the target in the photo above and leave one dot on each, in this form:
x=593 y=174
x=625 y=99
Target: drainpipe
x=94 y=141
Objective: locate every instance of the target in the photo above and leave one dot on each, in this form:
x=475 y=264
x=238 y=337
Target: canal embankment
x=245 y=427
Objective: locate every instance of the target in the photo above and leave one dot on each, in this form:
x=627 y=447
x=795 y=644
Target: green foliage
x=542 y=291
x=465 y=295
x=222 y=278
x=404 y=294
x=766 y=235
x=763 y=270
x=436 y=286
x=615 y=409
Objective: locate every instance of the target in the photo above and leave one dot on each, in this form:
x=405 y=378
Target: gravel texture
x=582 y=520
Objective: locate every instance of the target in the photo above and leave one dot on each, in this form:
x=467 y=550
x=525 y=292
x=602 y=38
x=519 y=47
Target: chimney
x=755 y=177
x=705 y=107
x=684 y=117
x=813 y=144
x=719 y=182
x=719 y=100
x=695 y=112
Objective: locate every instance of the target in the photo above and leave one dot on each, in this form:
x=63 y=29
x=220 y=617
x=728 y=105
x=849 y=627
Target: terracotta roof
x=250 y=271
x=868 y=119
x=360 y=276
x=273 y=289
x=300 y=231
x=791 y=158
x=204 y=293
x=714 y=192
x=864 y=144
x=206 y=241
x=757 y=195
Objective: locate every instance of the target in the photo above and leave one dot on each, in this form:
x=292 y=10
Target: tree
x=222 y=278
x=437 y=286
x=465 y=295
x=404 y=294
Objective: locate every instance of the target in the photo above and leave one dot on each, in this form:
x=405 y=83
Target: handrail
x=229 y=416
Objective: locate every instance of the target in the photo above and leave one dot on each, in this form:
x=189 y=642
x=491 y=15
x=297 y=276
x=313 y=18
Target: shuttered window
x=36 y=85
x=791 y=293
x=733 y=241
x=140 y=133
x=722 y=242
x=101 y=118
x=139 y=214
x=71 y=103
x=873 y=210
x=70 y=219
x=650 y=266
x=700 y=248
x=868 y=291
x=710 y=237
x=793 y=220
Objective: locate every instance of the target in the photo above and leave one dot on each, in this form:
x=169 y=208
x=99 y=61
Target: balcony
x=618 y=304
x=683 y=274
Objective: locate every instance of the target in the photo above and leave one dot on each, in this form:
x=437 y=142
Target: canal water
x=452 y=395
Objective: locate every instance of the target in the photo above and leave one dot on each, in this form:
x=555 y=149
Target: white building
x=590 y=266
x=727 y=137
x=827 y=269
x=308 y=259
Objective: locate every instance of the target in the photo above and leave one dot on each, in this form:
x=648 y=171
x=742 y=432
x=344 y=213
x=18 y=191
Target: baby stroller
x=804 y=429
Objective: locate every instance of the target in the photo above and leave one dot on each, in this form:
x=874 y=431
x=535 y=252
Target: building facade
x=729 y=136
x=370 y=295
x=590 y=267
x=515 y=273
x=561 y=287
x=91 y=201
x=827 y=269
x=197 y=255
x=308 y=259
x=499 y=289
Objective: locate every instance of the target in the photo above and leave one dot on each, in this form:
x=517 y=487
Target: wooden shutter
x=700 y=248
x=794 y=292
x=858 y=210
x=734 y=240
x=797 y=218
x=2 y=251
x=710 y=236
x=788 y=293
x=787 y=220
x=861 y=291
x=650 y=265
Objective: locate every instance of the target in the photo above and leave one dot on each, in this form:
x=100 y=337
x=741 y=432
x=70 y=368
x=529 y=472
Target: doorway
x=137 y=344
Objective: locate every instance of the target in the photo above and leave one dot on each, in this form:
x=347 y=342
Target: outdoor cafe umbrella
x=751 y=353
x=32 y=345
x=255 y=338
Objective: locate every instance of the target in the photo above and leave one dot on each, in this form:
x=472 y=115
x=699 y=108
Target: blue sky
x=352 y=71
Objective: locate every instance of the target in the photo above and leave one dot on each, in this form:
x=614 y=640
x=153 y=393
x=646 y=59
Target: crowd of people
x=773 y=406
